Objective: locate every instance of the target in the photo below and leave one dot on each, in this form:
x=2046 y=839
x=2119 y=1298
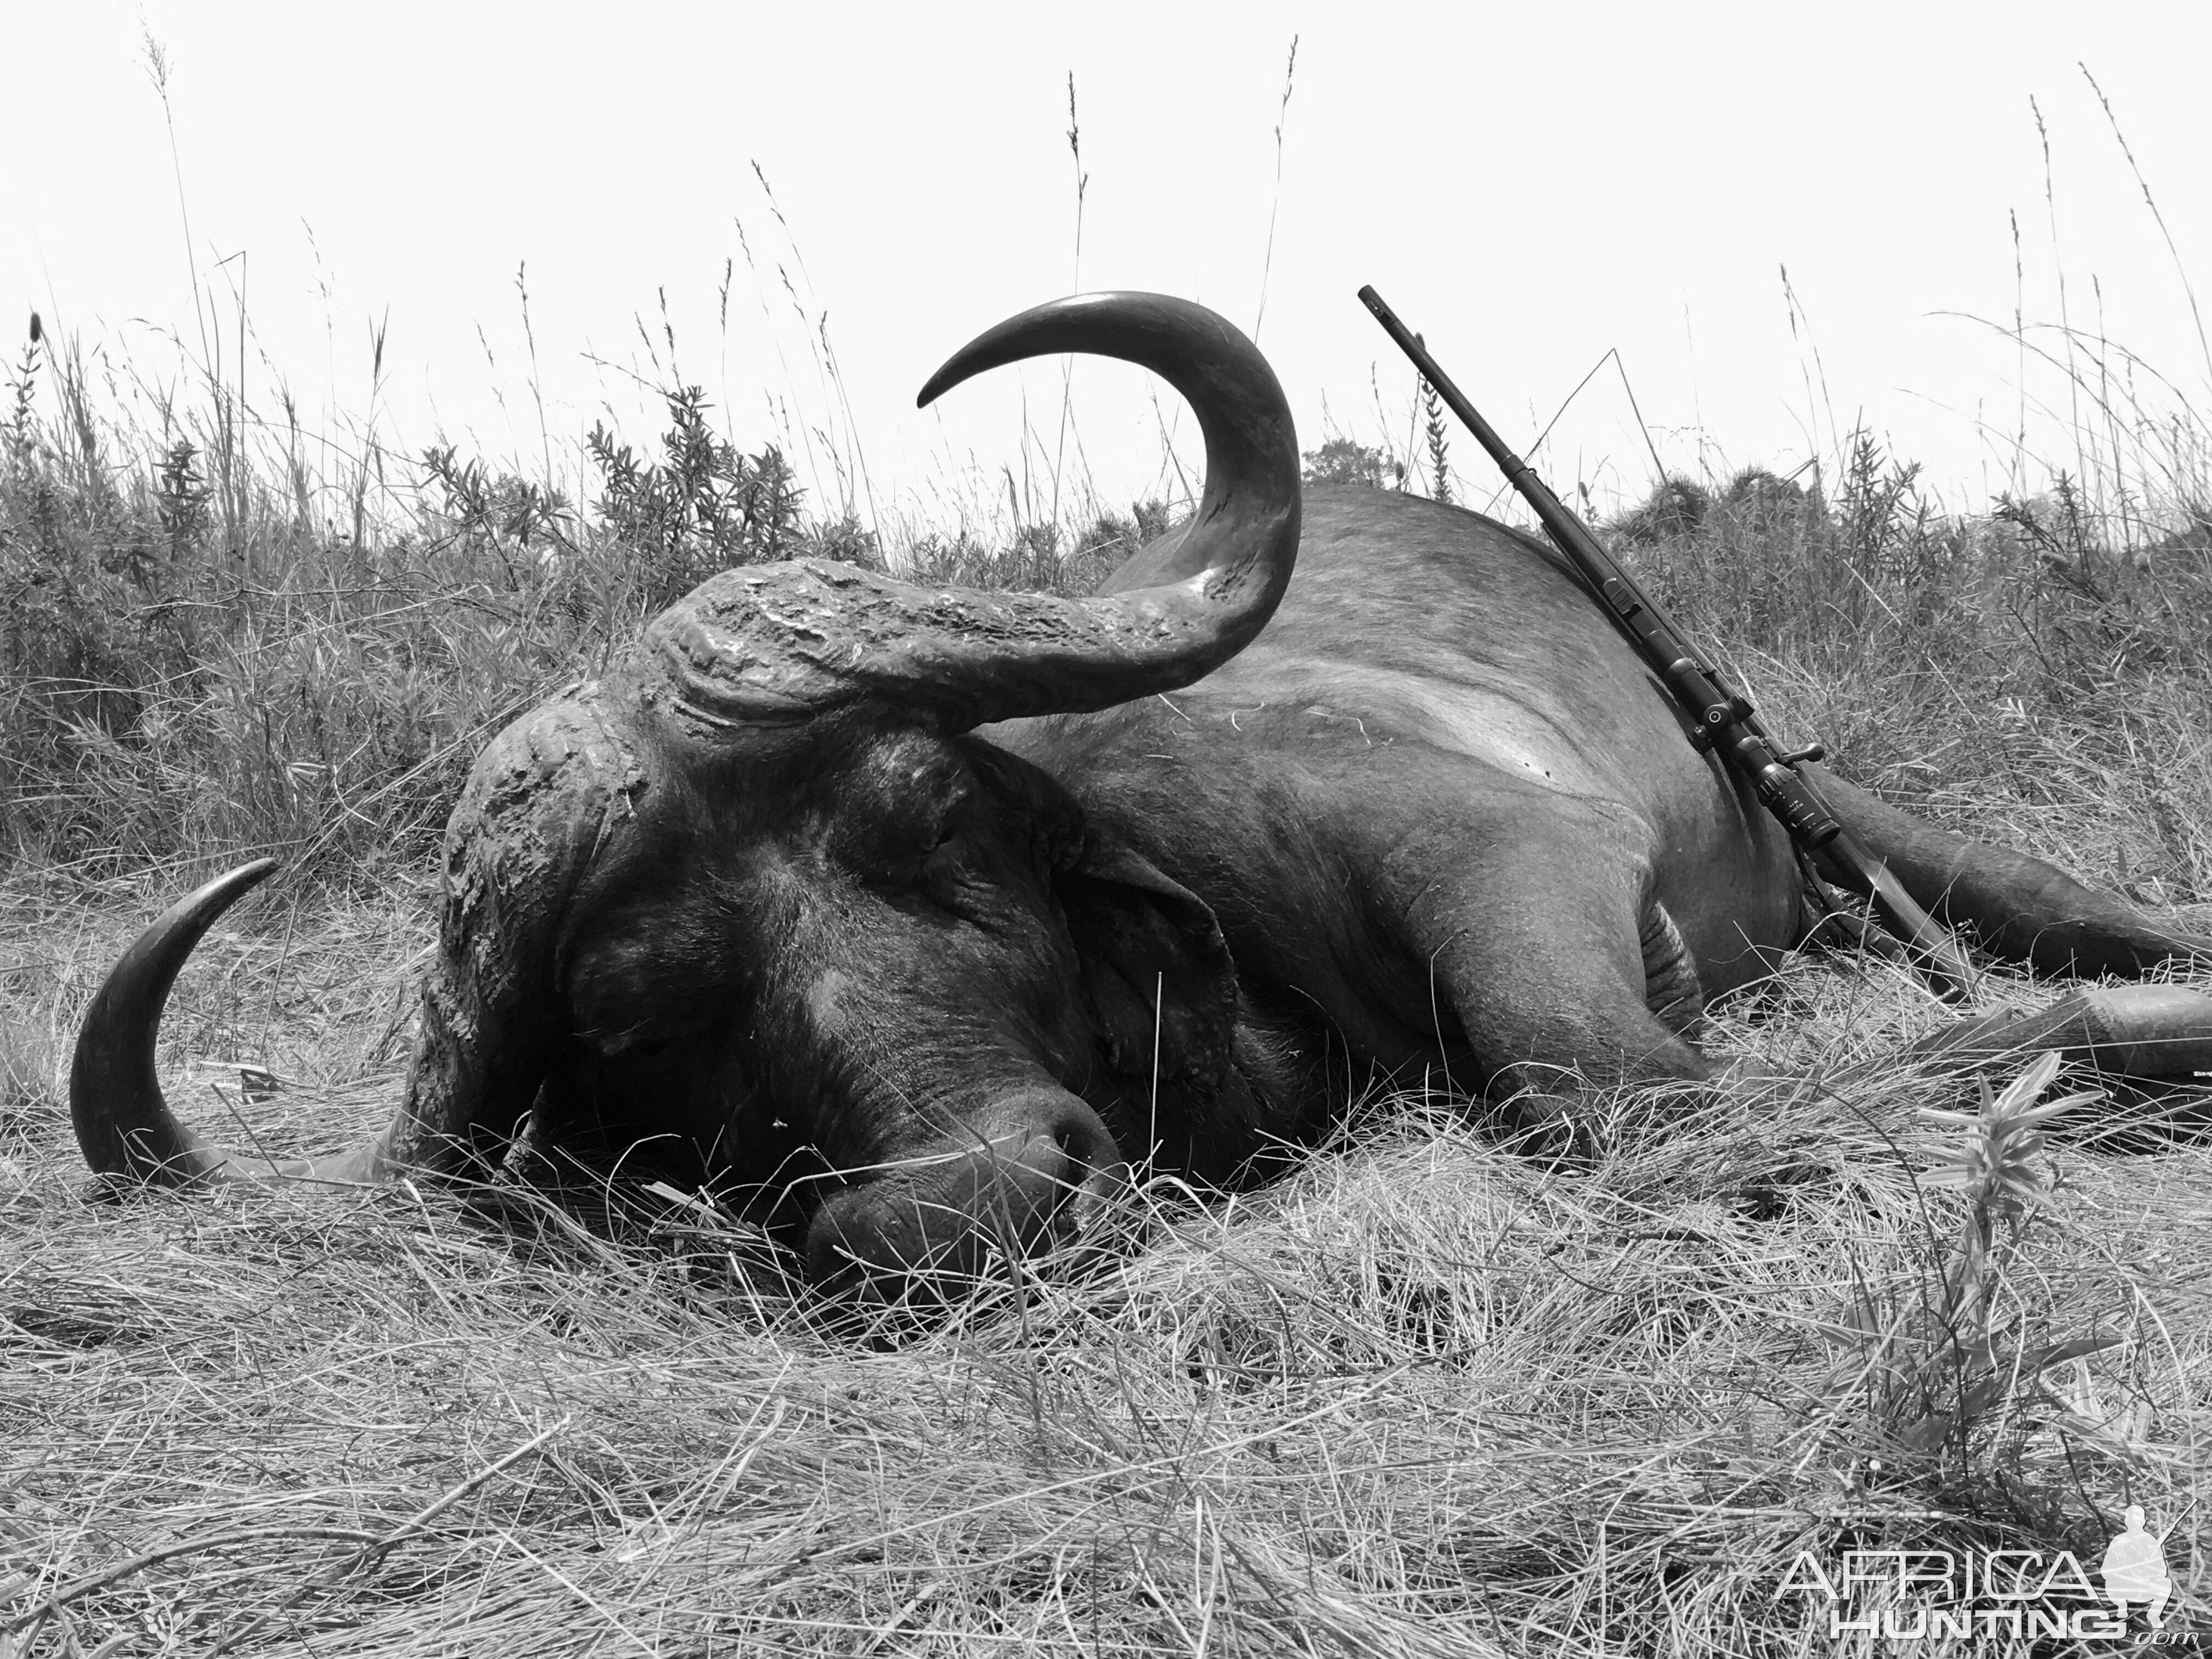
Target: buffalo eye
x=919 y=852
x=941 y=844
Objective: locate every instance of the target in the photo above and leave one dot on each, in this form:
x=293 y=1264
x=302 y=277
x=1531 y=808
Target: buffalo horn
x=123 y=1123
x=772 y=643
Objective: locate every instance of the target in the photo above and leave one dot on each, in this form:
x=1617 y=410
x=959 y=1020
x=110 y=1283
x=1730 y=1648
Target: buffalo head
x=759 y=898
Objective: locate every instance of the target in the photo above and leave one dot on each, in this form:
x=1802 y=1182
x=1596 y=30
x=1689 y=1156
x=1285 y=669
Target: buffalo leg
x=2020 y=908
x=1552 y=954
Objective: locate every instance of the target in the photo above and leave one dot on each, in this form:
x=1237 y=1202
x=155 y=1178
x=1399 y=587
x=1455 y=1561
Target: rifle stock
x=1724 y=721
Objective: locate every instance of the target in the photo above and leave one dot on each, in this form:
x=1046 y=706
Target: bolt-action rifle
x=1723 y=720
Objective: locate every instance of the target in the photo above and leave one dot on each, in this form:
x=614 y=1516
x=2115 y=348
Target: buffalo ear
x=1155 y=968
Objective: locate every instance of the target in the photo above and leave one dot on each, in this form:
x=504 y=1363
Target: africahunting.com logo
x=1905 y=1595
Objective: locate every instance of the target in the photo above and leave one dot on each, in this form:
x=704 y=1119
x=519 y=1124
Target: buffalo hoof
x=2156 y=1031
x=922 y=1230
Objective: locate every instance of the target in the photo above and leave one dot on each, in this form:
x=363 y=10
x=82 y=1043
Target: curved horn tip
x=123 y=1125
x=970 y=360
x=248 y=876
x=1017 y=336
x=207 y=902
x=944 y=381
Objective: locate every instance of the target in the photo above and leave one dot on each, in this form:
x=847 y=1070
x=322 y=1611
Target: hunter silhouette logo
x=1906 y=1595
x=2135 y=1570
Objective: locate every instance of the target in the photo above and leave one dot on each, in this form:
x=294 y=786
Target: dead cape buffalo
x=972 y=896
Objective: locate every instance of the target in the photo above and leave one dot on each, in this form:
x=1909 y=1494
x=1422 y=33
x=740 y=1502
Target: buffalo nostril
x=1086 y=1214
x=1092 y=1174
x=1065 y=1178
x=1063 y=1182
x=1034 y=1180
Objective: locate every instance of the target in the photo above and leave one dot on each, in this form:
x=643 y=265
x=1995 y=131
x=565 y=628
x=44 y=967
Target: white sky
x=1528 y=184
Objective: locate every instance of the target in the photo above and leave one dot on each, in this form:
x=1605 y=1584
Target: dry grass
x=1426 y=1397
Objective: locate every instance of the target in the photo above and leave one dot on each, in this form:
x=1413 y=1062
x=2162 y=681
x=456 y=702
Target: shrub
x=703 y=506
x=1342 y=461
x=1032 y=559
x=2039 y=654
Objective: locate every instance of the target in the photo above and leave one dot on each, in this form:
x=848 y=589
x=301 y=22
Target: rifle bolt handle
x=1811 y=751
